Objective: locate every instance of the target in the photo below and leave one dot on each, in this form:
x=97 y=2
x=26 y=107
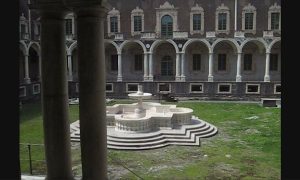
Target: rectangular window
x=275 y=21
x=196 y=62
x=22 y=91
x=138 y=62
x=114 y=62
x=36 y=88
x=277 y=89
x=163 y=87
x=222 y=18
x=273 y=62
x=224 y=88
x=68 y=26
x=252 y=88
x=221 y=62
x=114 y=24
x=196 y=22
x=248 y=21
x=109 y=87
x=132 y=87
x=196 y=88
x=248 y=62
x=137 y=23
x=23 y=29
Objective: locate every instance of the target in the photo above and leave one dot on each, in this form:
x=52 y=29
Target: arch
x=71 y=48
x=190 y=41
x=23 y=48
x=272 y=43
x=35 y=46
x=135 y=41
x=158 y=42
x=232 y=42
x=114 y=44
x=265 y=45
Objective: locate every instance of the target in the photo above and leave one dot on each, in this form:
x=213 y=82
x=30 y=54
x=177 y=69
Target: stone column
x=210 y=68
x=40 y=67
x=27 y=78
x=92 y=78
x=182 y=66
x=55 y=95
x=267 y=71
x=150 y=77
x=146 y=66
x=238 y=68
x=177 y=78
x=119 y=78
x=70 y=70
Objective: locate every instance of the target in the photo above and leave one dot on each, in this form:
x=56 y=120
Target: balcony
x=268 y=34
x=24 y=36
x=180 y=35
x=148 y=35
x=210 y=34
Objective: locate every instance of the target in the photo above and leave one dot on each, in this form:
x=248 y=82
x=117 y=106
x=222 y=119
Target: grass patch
x=246 y=147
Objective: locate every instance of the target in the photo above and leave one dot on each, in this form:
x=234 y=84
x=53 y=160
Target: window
x=137 y=23
x=196 y=62
x=138 y=62
x=36 y=88
x=23 y=28
x=221 y=62
x=77 y=87
x=22 y=91
x=109 y=87
x=273 y=62
x=224 y=88
x=164 y=87
x=252 y=88
x=222 y=21
x=196 y=22
x=248 y=21
x=68 y=26
x=166 y=66
x=248 y=62
x=114 y=62
x=114 y=24
x=166 y=26
x=131 y=87
x=196 y=88
x=277 y=89
x=275 y=21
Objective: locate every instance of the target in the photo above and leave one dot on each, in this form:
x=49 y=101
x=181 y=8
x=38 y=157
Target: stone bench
x=271 y=102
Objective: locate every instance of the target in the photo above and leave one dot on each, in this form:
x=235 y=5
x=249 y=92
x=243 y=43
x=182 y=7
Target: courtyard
x=247 y=146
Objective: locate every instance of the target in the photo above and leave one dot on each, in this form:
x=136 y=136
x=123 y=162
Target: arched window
x=166 y=66
x=166 y=26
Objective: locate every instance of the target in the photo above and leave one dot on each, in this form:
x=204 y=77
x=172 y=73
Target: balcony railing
x=148 y=35
x=268 y=34
x=210 y=34
x=239 y=34
x=119 y=36
x=180 y=35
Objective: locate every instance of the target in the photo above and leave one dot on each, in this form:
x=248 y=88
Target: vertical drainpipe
x=235 y=15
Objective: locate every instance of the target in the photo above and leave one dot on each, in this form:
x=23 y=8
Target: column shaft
x=267 y=71
x=70 y=70
x=182 y=66
x=210 y=68
x=92 y=78
x=177 y=78
x=238 y=68
x=150 y=78
x=55 y=96
x=146 y=66
x=27 y=78
x=119 y=67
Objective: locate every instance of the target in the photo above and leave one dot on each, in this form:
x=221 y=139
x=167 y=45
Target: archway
x=33 y=63
x=111 y=61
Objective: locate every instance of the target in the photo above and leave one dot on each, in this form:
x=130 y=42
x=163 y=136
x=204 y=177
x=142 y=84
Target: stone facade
x=148 y=57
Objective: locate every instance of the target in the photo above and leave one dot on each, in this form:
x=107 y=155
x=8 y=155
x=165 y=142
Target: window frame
x=219 y=62
x=224 y=84
x=274 y=9
x=250 y=84
x=33 y=89
x=158 y=87
x=114 y=62
x=200 y=84
x=113 y=13
x=249 y=9
x=112 y=88
x=198 y=63
x=244 y=62
x=24 y=91
x=276 y=92
x=222 y=10
x=137 y=12
x=127 y=89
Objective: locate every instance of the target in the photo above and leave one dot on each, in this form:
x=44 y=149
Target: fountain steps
x=189 y=137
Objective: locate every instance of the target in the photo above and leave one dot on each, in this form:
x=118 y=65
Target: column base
x=150 y=78
x=177 y=78
x=210 y=79
x=27 y=80
x=267 y=79
x=238 y=79
x=70 y=78
x=119 y=78
x=183 y=78
x=146 y=78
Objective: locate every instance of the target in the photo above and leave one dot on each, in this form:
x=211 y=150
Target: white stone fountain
x=148 y=125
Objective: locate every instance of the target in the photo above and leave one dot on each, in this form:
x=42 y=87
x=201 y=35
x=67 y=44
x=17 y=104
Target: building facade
x=202 y=49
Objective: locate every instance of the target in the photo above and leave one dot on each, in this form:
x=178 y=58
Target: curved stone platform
x=187 y=135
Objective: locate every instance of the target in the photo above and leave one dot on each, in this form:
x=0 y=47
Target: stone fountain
x=149 y=125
